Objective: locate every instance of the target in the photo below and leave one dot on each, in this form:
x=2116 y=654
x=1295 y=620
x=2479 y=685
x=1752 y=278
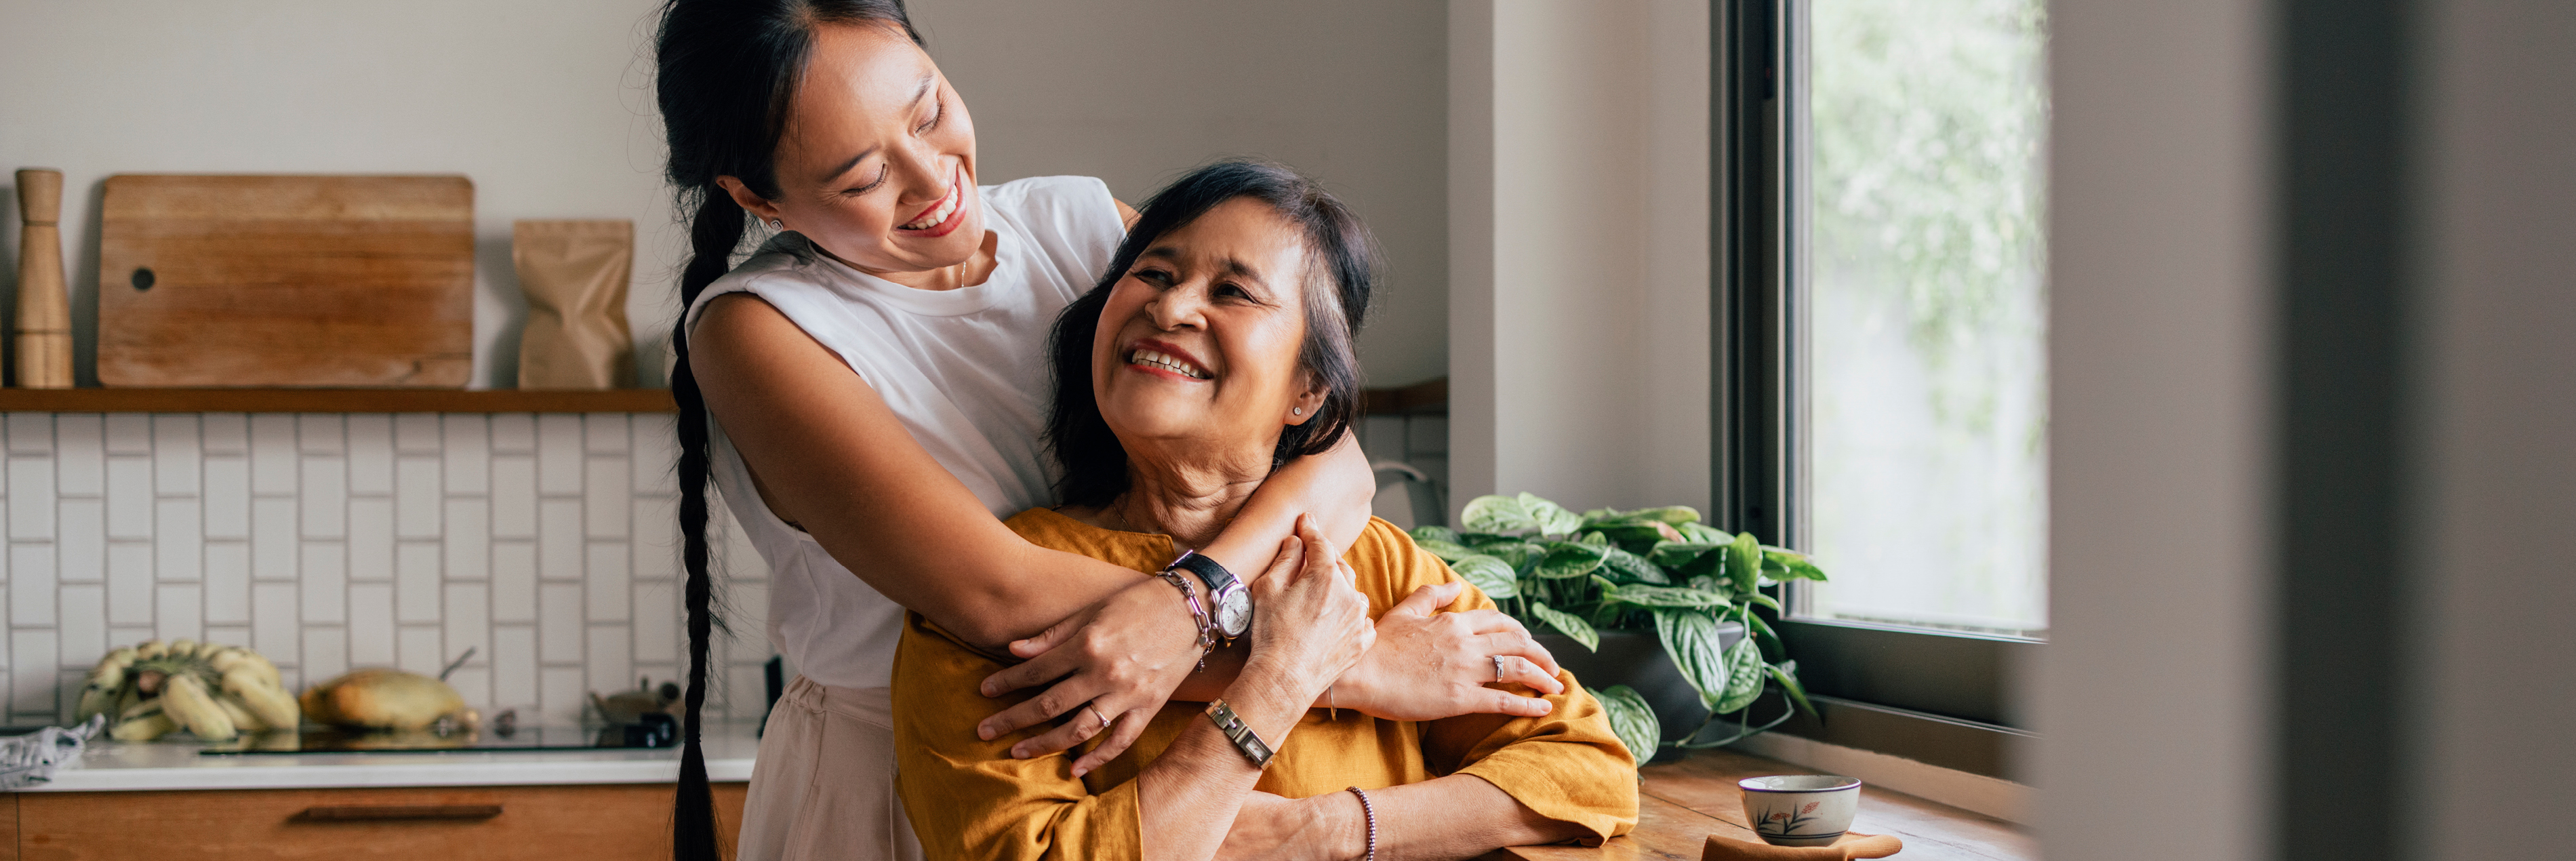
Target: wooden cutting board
x=337 y=281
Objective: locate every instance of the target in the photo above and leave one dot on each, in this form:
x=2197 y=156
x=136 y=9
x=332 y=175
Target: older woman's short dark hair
x=1340 y=271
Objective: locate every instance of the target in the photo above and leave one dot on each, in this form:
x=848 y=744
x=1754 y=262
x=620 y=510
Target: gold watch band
x=1245 y=740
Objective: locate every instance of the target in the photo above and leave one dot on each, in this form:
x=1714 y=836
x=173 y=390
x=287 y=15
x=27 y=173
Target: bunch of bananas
x=211 y=690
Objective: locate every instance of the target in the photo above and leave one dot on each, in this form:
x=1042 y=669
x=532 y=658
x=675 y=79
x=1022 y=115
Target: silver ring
x=1498 y=668
x=1104 y=722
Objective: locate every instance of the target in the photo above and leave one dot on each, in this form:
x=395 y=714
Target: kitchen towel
x=32 y=758
x=1852 y=845
x=575 y=274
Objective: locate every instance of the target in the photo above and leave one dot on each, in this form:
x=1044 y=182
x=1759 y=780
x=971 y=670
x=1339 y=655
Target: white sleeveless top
x=966 y=370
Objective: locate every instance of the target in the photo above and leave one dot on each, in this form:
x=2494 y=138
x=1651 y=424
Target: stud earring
x=1296 y=411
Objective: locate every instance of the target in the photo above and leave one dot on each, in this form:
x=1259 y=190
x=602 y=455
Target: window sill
x=1681 y=803
x=334 y=401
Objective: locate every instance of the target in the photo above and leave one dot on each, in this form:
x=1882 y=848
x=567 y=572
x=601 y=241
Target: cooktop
x=650 y=734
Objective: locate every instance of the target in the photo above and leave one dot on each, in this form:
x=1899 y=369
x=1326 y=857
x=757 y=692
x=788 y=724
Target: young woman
x=868 y=390
x=1220 y=343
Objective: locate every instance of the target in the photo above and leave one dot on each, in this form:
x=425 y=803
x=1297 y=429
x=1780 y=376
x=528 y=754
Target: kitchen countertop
x=110 y=766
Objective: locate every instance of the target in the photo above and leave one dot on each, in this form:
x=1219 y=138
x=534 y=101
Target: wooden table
x=1682 y=803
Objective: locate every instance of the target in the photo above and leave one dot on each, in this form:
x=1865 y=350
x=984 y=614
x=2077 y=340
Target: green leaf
x=1658 y=596
x=1480 y=539
x=1568 y=625
x=1594 y=538
x=1761 y=630
x=1702 y=533
x=1633 y=533
x=1690 y=637
x=1488 y=574
x=1434 y=533
x=1744 y=670
x=1552 y=518
x=1604 y=514
x=1521 y=555
x=1786 y=673
x=1672 y=514
x=1744 y=562
x=1448 y=552
x=1767 y=601
x=1497 y=514
x=1631 y=720
x=1630 y=567
x=1674 y=554
x=1567 y=559
x=1778 y=564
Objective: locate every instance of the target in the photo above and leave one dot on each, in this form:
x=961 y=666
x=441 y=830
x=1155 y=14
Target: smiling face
x=1198 y=349
x=876 y=163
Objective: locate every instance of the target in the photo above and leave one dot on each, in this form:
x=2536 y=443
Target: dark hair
x=725 y=73
x=1341 y=264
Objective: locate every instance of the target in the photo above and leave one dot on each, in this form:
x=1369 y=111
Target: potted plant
x=1628 y=575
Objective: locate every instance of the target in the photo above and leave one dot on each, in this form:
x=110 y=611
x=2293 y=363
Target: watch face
x=1234 y=612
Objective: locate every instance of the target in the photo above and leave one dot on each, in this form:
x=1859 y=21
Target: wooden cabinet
x=552 y=823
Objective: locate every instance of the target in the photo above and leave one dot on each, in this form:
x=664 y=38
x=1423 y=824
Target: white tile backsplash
x=326 y=542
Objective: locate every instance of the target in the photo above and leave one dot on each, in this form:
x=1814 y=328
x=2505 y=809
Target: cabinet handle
x=386 y=812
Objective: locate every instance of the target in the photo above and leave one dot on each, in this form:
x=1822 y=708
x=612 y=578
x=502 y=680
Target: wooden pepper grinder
x=44 y=308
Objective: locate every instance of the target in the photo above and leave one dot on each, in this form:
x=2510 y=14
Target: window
x=1916 y=382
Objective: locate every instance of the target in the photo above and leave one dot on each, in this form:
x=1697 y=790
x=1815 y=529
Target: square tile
x=175 y=455
x=80 y=454
x=129 y=583
x=30 y=433
x=604 y=433
x=31 y=585
x=469 y=537
x=559 y=454
x=326 y=653
x=272 y=454
x=182 y=612
x=321 y=433
x=371 y=455
x=325 y=581
x=227 y=497
x=559 y=628
x=514 y=581
x=129 y=497
x=325 y=497
x=416 y=433
x=605 y=497
x=129 y=433
x=182 y=545
x=514 y=433
x=81 y=540
x=31 y=498
x=514 y=497
x=416 y=497
x=224 y=433
x=371 y=624
x=84 y=624
x=608 y=578
x=417 y=649
x=371 y=538
x=276 y=632
x=559 y=542
x=416 y=582
x=468 y=454
x=273 y=541
x=227 y=582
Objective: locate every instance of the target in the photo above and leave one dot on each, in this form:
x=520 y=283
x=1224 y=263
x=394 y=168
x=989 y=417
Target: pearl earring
x=1296 y=411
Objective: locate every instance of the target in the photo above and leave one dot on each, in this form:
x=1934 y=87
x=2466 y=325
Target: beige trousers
x=823 y=786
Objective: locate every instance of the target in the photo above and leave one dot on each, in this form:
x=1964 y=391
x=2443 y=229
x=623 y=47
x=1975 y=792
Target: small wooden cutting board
x=338 y=281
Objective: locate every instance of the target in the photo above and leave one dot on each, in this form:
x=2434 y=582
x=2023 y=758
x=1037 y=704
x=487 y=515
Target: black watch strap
x=1218 y=579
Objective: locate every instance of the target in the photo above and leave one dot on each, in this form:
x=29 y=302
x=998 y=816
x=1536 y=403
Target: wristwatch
x=1245 y=742
x=1227 y=599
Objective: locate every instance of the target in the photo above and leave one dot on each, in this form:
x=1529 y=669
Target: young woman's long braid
x=725 y=72
x=713 y=234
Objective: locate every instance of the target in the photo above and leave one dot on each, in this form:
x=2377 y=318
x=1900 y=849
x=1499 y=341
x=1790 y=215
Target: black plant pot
x=1637 y=659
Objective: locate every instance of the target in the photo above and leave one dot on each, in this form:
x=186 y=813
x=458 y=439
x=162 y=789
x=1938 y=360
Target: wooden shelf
x=333 y=401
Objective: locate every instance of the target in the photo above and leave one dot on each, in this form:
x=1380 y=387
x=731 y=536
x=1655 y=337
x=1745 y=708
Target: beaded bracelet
x=1370 y=811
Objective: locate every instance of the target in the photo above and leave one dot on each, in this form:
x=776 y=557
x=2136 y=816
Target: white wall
x=2151 y=688
x=1579 y=241
x=545 y=106
x=1136 y=91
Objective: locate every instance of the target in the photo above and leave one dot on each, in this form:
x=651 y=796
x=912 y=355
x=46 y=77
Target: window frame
x=1940 y=697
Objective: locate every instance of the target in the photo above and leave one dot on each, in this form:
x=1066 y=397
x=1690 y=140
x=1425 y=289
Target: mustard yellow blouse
x=969 y=799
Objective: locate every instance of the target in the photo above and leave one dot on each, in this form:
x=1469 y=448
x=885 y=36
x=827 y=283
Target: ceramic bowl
x=1800 y=809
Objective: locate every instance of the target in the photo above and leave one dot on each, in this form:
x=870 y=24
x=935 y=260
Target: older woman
x=1218 y=347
